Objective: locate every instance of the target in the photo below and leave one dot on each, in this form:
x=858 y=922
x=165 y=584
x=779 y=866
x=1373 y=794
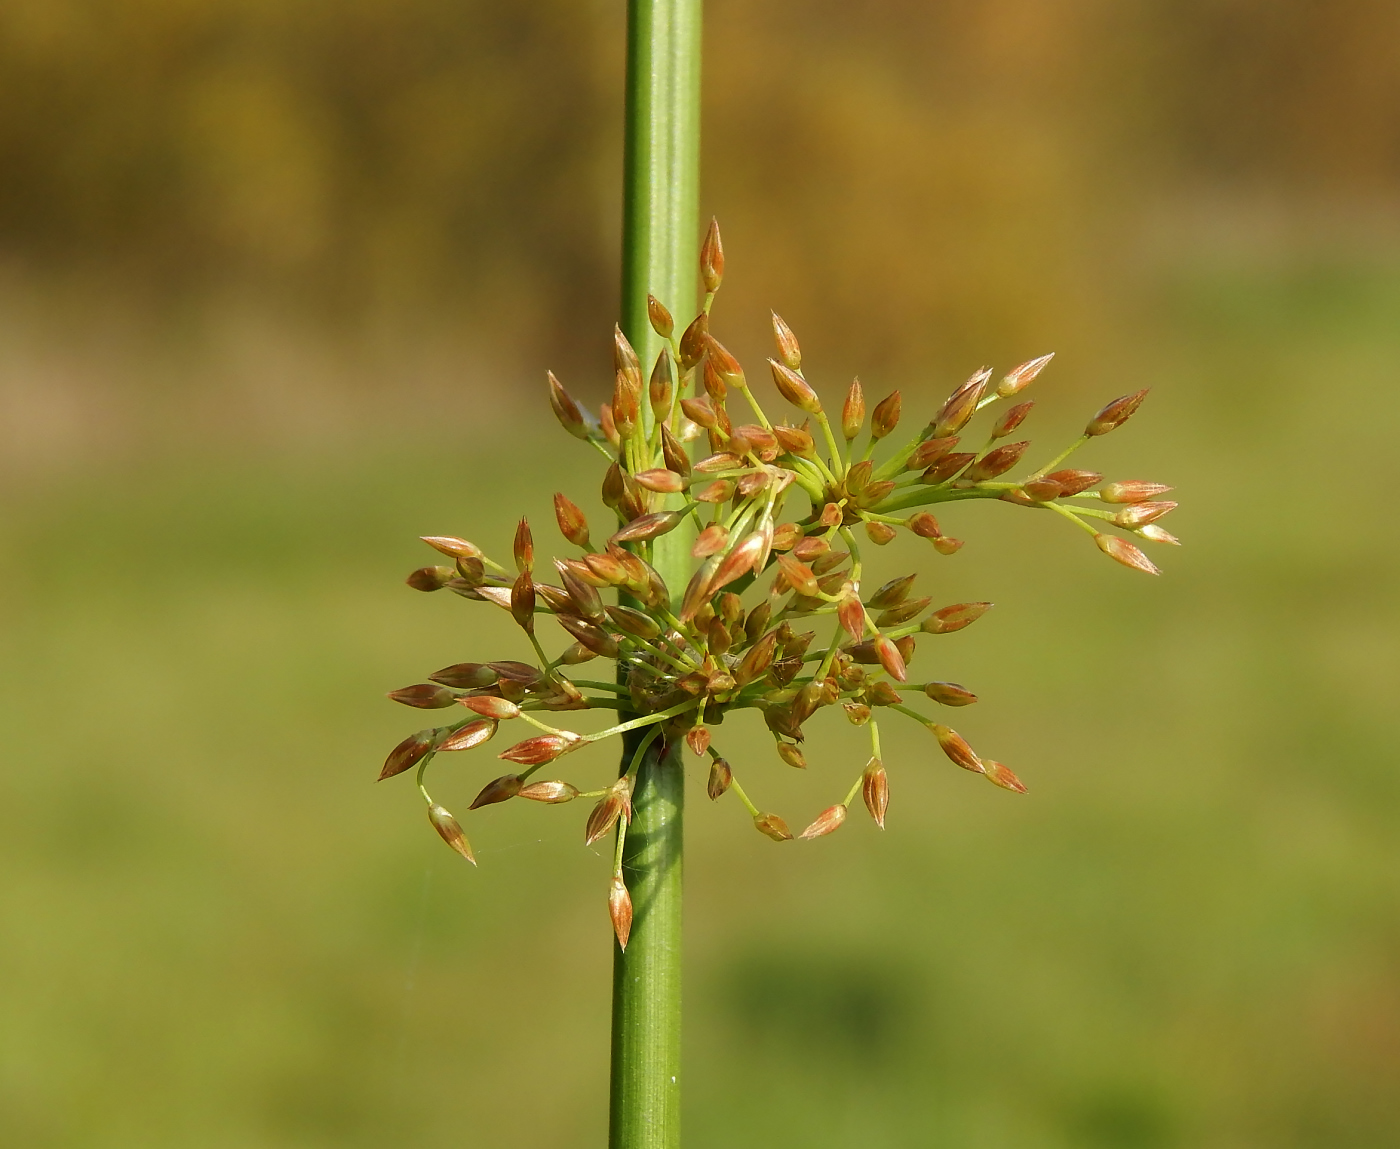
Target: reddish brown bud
x=634 y=622
x=961 y=405
x=995 y=463
x=1012 y=419
x=891 y=659
x=773 y=826
x=701 y=412
x=950 y=618
x=902 y=613
x=610 y=807
x=725 y=365
x=472 y=734
x=650 y=526
x=465 y=676
x=1125 y=553
x=720 y=491
x=454 y=547
x=875 y=789
x=1020 y=378
x=853 y=411
x=950 y=694
x=892 y=593
x=1003 y=777
x=712 y=258
x=1073 y=482
x=946 y=546
x=673 y=452
x=595 y=638
x=794 y=388
x=739 y=561
x=799 y=575
x=1157 y=534
x=882 y=694
x=609 y=426
x=956 y=748
x=566 y=410
x=697 y=590
x=885 y=416
x=1115 y=414
x=1132 y=491
x=430 y=578
x=625 y=361
x=827 y=821
x=551 y=792
x=522 y=602
x=424 y=696
x=929 y=452
x=577 y=654
x=500 y=789
x=879 y=533
x=661 y=480
x=572 y=524
x=1042 y=490
x=660 y=389
x=788 y=350
x=755 y=663
x=710 y=541
x=489 y=706
x=831 y=515
x=626 y=404
x=792 y=755
x=1140 y=514
x=450 y=831
x=924 y=525
x=795 y=441
x=524 y=547
x=521 y=672
x=720 y=778
x=948 y=466
x=407 y=754
x=851 y=615
x=659 y=318
x=693 y=340
x=540 y=749
x=620 y=910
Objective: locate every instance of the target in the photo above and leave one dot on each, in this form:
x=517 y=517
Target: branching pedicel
x=687 y=657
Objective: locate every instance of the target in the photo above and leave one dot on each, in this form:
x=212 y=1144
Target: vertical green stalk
x=660 y=235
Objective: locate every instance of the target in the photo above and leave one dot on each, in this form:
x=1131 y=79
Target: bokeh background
x=278 y=286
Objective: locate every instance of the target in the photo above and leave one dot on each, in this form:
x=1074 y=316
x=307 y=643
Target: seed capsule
x=543 y=748
x=1125 y=553
x=946 y=546
x=961 y=405
x=826 y=822
x=692 y=344
x=698 y=739
x=566 y=410
x=1140 y=514
x=896 y=615
x=489 y=706
x=1003 y=777
x=950 y=618
x=712 y=258
x=407 y=754
x=882 y=694
x=857 y=713
x=1020 y=377
x=551 y=792
x=891 y=659
x=996 y=462
x=500 y=789
x=885 y=416
x=875 y=789
x=1012 y=419
x=955 y=746
x=950 y=694
x=924 y=525
x=790 y=754
x=1042 y=490
x=620 y=910
x=605 y=814
x=880 y=533
x=948 y=466
x=1132 y=491
x=450 y=831
x=1115 y=414
x=773 y=826
x=465 y=676
x=430 y=578
x=659 y=318
x=524 y=547
x=788 y=350
x=472 y=734
x=660 y=389
x=1073 y=482
x=424 y=696
x=1157 y=534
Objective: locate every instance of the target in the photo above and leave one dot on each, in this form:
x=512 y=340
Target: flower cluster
x=733 y=636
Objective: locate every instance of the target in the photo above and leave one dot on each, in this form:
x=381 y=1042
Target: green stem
x=661 y=158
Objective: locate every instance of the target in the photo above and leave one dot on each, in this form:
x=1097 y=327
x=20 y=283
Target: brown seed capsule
x=851 y=615
x=795 y=441
x=521 y=672
x=1003 y=777
x=605 y=421
x=880 y=533
x=698 y=739
x=430 y=578
x=577 y=654
x=792 y=755
x=858 y=477
x=465 y=676
x=875 y=789
x=661 y=480
x=692 y=344
x=885 y=416
x=799 y=576
x=522 y=602
x=450 y=831
x=1073 y=482
x=701 y=412
x=407 y=754
x=830 y=516
x=424 y=696
x=620 y=910
x=1140 y=514
x=626 y=404
x=875 y=493
x=929 y=452
x=634 y=622
x=950 y=618
x=488 y=706
x=996 y=462
x=739 y=561
x=625 y=361
x=595 y=638
x=924 y=525
x=581 y=595
x=572 y=524
x=659 y=318
x=788 y=350
x=453 y=547
x=650 y=526
x=540 y=749
x=896 y=615
x=946 y=546
x=551 y=792
x=697 y=590
x=858 y=713
x=882 y=694
x=1125 y=553
x=500 y=789
x=712 y=258
x=950 y=694
x=1012 y=419
x=710 y=541
x=794 y=388
x=773 y=826
x=826 y=822
x=892 y=593
x=673 y=453
x=955 y=746
x=891 y=659
x=724 y=363
x=1020 y=377
x=720 y=491
x=1115 y=414
x=1042 y=490
x=472 y=734
x=961 y=405
x=565 y=409
x=853 y=411
x=720 y=778
x=661 y=387
x=1132 y=491
x=948 y=466
x=524 y=547
x=755 y=663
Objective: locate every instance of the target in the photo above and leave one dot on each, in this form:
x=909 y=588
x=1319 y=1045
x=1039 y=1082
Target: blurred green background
x=278 y=286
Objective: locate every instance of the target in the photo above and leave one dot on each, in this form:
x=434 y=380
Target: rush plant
x=729 y=576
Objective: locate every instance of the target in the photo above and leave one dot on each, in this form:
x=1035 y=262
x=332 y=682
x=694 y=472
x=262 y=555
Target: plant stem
x=661 y=157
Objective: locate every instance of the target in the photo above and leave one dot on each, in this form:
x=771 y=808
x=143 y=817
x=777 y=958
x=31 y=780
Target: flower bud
x=650 y=526
x=1157 y=534
x=947 y=619
x=882 y=694
x=634 y=622
x=929 y=452
x=577 y=654
x=885 y=416
x=407 y=754
x=896 y=615
x=661 y=389
x=472 y=734
x=1003 y=777
x=524 y=547
x=430 y=578
x=698 y=739
x=788 y=350
x=453 y=547
x=946 y=546
x=795 y=389
x=924 y=525
x=626 y=404
x=720 y=778
x=891 y=659
x=572 y=524
x=620 y=910
x=996 y=462
x=1042 y=490
x=540 y=749
x=880 y=533
x=795 y=441
x=1020 y=377
x=424 y=696
x=755 y=663
x=551 y=792
x=1115 y=414
x=712 y=258
x=739 y=561
x=522 y=602
x=659 y=318
x=853 y=411
x=565 y=409
x=948 y=466
x=625 y=361
x=661 y=480
x=799 y=576
x=594 y=637
x=1074 y=482
x=1132 y=491
x=1124 y=552
x=950 y=694
x=875 y=789
x=450 y=831
x=955 y=746
x=724 y=363
x=790 y=754
x=892 y=593
x=500 y=789
x=605 y=814
x=826 y=822
x=1140 y=514
x=1012 y=419
x=609 y=427
x=693 y=339
x=488 y=706
x=851 y=615
x=961 y=405
x=701 y=412
x=773 y=826
x=465 y=676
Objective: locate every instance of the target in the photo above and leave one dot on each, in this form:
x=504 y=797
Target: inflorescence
x=688 y=656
